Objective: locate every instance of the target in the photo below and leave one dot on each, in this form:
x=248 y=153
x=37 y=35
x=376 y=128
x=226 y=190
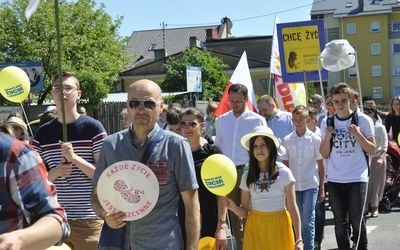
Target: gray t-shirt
x=172 y=162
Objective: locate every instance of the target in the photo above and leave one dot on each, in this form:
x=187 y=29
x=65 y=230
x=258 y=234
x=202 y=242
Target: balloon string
x=228 y=219
x=26 y=118
x=321 y=84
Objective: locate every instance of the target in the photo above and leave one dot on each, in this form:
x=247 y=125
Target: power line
x=247 y=18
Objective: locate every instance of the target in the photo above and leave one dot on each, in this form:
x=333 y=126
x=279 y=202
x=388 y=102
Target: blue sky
x=251 y=17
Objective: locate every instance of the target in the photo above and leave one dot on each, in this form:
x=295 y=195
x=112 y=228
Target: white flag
x=240 y=75
x=32 y=6
x=275 y=63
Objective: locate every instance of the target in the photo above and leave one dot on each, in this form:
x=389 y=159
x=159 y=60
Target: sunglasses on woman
x=149 y=104
x=190 y=124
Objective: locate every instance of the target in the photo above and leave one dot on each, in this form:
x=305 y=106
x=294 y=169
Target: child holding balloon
x=266 y=185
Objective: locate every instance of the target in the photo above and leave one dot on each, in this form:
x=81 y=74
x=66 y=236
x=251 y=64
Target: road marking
x=370 y=228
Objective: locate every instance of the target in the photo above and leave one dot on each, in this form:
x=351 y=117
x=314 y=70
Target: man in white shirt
x=230 y=128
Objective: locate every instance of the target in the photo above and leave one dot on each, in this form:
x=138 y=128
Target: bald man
x=172 y=162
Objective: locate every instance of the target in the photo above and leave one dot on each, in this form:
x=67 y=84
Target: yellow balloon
x=62 y=247
x=14 y=84
x=207 y=243
x=218 y=174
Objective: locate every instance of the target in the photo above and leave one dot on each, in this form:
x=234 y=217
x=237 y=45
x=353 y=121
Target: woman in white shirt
x=377 y=177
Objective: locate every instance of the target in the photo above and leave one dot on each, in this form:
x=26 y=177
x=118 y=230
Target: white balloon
x=337 y=55
x=130 y=187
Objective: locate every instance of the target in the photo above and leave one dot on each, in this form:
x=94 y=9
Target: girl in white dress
x=266 y=186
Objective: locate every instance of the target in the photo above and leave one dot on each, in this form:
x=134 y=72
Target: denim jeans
x=306 y=202
x=347 y=201
x=320 y=218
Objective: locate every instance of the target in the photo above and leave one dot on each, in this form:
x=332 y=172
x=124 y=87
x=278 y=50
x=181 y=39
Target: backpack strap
x=330 y=122
x=354 y=120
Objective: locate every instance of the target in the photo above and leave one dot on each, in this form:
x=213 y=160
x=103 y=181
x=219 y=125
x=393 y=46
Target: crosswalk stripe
x=370 y=228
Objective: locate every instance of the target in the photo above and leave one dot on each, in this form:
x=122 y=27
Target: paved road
x=383 y=232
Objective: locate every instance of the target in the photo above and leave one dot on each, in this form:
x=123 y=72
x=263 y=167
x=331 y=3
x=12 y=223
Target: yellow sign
x=302 y=47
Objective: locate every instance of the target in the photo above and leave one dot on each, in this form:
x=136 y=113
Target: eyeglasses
x=66 y=89
x=149 y=105
x=367 y=112
x=190 y=124
x=236 y=101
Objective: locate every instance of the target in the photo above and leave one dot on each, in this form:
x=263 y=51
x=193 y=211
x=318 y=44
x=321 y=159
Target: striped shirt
x=86 y=136
x=25 y=191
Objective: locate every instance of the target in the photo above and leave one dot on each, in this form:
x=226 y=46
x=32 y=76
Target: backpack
x=354 y=120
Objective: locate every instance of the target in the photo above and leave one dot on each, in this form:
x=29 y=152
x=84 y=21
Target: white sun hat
x=16 y=121
x=262 y=131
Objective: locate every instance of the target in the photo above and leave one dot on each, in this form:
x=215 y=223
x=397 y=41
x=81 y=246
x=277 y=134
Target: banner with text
x=193 y=79
x=300 y=44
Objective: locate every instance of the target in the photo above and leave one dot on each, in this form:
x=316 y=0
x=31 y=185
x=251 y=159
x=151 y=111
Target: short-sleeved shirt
x=272 y=198
x=172 y=162
x=303 y=154
x=346 y=162
x=86 y=135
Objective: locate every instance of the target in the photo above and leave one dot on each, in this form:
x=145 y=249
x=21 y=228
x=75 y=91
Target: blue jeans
x=306 y=202
x=347 y=201
x=320 y=219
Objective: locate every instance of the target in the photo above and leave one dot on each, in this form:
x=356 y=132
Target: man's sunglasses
x=190 y=124
x=150 y=105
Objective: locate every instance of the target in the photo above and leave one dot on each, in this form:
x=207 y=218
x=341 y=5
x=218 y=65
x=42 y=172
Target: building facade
x=372 y=27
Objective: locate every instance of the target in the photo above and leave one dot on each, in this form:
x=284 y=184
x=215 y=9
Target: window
x=352 y=72
x=351 y=28
x=396 y=70
x=375 y=26
x=377 y=92
x=396 y=26
x=152 y=46
x=375 y=49
x=376 y=70
x=396 y=48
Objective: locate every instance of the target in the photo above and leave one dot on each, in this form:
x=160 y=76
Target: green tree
x=90 y=44
x=212 y=73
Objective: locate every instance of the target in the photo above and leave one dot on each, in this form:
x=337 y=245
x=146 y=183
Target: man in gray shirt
x=171 y=161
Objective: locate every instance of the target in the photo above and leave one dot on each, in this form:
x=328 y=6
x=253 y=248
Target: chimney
x=360 y=5
x=194 y=42
x=225 y=28
x=211 y=34
x=159 y=54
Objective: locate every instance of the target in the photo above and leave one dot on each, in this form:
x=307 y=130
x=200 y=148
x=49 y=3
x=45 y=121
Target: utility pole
x=163 y=32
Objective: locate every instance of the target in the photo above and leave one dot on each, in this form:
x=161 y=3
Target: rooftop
x=346 y=8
